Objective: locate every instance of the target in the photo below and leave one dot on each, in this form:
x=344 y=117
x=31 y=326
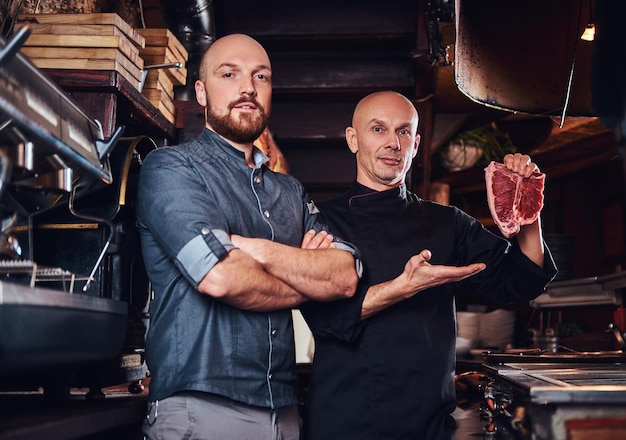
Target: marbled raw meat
x=513 y=200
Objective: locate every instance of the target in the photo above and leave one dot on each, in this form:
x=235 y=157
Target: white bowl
x=460 y=156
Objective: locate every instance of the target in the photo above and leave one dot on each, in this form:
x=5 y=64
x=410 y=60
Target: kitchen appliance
x=73 y=290
x=556 y=392
x=554 y=400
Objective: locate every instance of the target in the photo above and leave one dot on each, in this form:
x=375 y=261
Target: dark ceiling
x=465 y=64
x=521 y=66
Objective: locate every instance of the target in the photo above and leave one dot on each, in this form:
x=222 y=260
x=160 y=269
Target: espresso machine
x=73 y=289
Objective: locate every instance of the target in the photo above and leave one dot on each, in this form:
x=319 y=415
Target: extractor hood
x=584 y=291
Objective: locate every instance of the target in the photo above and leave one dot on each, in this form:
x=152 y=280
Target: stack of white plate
x=496 y=328
x=467 y=331
x=467 y=325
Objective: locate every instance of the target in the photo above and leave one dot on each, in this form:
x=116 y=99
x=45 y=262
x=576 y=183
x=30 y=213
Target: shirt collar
x=222 y=146
x=362 y=192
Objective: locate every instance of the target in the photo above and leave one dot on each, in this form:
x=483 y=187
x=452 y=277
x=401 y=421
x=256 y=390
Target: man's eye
x=404 y=133
x=228 y=75
x=377 y=129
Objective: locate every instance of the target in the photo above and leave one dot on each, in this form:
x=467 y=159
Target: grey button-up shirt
x=190 y=199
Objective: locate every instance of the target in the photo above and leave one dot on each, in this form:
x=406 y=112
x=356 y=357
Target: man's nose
x=247 y=87
x=394 y=143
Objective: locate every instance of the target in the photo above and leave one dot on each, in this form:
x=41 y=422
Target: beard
x=245 y=129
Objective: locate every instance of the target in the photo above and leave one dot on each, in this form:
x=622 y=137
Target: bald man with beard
x=230 y=247
x=384 y=359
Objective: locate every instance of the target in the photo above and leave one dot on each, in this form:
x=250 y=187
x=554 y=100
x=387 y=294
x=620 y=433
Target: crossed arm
x=262 y=275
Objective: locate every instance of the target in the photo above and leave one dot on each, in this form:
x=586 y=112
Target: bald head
x=384 y=138
x=235 y=89
x=232 y=46
x=378 y=102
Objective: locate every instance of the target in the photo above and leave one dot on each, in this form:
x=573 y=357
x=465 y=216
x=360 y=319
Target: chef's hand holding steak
x=515 y=199
x=514 y=192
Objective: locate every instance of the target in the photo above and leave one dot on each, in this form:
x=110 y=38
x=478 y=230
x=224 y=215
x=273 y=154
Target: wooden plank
x=90 y=87
x=159 y=95
x=171 y=117
x=163 y=37
x=88 y=19
x=173 y=53
x=330 y=74
x=157 y=79
x=343 y=18
x=73 y=40
x=163 y=42
x=160 y=51
x=133 y=75
x=178 y=76
x=119 y=42
x=84 y=53
x=70 y=29
x=163 y=55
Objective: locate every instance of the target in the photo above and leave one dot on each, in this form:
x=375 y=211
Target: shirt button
x=266 y=213
x=274 y=331
x=270 y=376
x=257 y=179
x=205 y=230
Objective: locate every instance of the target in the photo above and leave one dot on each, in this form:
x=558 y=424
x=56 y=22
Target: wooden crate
x=84 y=19
x=162 y=47
x=165 y=38
x=84 y=41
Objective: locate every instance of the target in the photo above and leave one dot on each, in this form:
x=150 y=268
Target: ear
x=351 y=140
x=200 y=93
x=416 y=146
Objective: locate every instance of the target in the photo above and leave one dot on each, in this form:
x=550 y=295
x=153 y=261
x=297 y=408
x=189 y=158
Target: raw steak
x=513 y=200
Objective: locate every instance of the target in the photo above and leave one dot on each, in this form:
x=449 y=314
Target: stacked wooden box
x=163 y=48
x=104 y=41
x=100 y=41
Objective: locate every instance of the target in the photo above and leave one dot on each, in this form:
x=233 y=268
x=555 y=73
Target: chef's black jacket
x=391 y=376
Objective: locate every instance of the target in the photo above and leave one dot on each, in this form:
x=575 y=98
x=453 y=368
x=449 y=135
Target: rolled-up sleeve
x=178 y=217
x=203 y=252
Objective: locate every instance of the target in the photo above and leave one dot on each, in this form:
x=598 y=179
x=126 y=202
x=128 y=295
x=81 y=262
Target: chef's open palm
x=420 y=275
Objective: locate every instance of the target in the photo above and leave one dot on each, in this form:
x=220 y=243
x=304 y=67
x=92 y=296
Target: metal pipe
x=193 y=23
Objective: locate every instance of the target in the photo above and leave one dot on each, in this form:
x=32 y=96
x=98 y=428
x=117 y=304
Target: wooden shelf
x=107 y=96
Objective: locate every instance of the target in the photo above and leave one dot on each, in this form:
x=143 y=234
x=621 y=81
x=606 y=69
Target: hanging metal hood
x=526 y=59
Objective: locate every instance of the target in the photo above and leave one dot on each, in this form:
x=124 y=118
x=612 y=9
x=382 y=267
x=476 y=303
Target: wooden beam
x=341 y=73
x=322 y=19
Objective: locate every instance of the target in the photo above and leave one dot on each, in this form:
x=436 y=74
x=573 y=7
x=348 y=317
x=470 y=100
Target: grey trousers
x=204 y=416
